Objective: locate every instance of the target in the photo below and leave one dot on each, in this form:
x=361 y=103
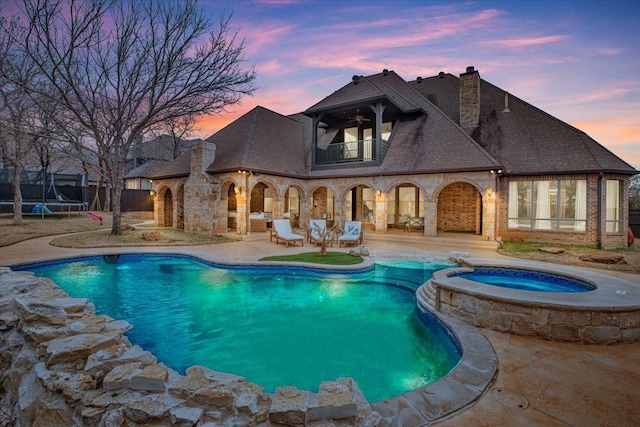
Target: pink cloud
x=526 y=42
x=270 y=67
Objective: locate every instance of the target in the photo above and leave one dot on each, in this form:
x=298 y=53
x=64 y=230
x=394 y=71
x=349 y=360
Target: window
x=613 y=206
x=351 y=143
x=548 y=205
x=386 y=130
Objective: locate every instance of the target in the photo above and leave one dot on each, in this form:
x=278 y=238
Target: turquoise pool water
x=274 y=326
x=527 y=280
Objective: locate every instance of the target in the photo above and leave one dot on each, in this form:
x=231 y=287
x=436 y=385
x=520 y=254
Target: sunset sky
x=577 y=60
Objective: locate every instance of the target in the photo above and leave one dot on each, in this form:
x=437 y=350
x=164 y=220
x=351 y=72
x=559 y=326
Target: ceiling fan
x=359 y=119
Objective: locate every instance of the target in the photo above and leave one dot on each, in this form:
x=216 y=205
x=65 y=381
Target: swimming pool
x=274 y=326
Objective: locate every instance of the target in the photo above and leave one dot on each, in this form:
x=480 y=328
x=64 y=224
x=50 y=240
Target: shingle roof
x=180 y=167
x=146 y=170
x=263 y=141
x=386 y=85
x=526 y=140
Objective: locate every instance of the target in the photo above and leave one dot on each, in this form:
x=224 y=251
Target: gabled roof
x=384 y=86
x=525 y=140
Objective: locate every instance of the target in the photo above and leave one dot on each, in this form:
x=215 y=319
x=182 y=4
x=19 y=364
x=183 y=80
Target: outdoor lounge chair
x=318 y=232
x=351 y=233
x=282 y=231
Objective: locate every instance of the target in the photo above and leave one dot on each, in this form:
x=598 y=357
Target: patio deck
x=538 y=383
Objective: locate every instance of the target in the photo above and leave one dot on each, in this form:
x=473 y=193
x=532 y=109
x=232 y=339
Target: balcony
x=347 y=152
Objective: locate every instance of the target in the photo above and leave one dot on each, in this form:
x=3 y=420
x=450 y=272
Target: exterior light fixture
x=379 y=193
x=152 y=193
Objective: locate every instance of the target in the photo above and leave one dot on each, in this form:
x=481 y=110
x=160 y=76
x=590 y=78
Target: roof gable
x=384 y=86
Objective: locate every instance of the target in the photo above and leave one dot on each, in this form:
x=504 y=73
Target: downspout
x=599 y=221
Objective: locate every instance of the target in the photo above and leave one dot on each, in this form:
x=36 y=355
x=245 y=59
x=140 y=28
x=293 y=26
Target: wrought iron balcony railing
x=345 y=152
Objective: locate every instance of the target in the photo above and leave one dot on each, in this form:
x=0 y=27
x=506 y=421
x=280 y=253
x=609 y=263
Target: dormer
x=354 y=126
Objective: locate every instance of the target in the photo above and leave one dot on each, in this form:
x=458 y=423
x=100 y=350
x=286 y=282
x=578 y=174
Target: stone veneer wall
x=561 y=323
x=61 y=364
x=206 y=206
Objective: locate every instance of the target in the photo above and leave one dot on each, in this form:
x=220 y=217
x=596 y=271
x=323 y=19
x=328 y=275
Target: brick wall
x=589 y=237
x=457 y=208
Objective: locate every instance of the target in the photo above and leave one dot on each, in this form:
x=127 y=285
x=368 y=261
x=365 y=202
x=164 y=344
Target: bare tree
x=122 y=68
x=19 y=130
x=634 y=192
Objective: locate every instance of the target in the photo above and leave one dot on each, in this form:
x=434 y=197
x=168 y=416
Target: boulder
x=551 y=250
x=603 y=258
x=152 y=236
x=359 y=251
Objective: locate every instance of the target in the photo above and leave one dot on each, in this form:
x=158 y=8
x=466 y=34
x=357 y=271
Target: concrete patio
x=538 y=382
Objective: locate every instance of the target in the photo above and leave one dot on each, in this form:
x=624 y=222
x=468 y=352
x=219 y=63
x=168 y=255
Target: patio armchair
x=282 y=231
x=414 y=223
x=351 y=233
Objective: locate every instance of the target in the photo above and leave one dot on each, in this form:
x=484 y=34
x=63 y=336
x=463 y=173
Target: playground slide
x=39 y=209
x=95 y=216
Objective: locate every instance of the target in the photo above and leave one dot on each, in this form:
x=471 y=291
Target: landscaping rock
x=359 y=251
x=152 y=236
x=551 y=250
x=603 y=258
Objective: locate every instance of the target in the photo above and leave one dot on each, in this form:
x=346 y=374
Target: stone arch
x=302 y=192
x=459 y=207
x=166 y=207
x=452 y=180
x=358 y=202
x=403 y=205
x=257 y=197
x=400 y=181
x=269 y=183
x=224 y=188
x=292 y=212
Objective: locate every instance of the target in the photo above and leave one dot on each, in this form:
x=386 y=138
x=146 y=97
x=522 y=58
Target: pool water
x=275 y=326
x=527 y=280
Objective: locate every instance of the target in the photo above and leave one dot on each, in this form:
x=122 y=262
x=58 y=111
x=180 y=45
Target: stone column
x=381 y=212
x=430 y=218
x=241 y=210
x=489 y=215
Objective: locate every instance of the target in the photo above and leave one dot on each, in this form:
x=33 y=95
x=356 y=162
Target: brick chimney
x=470 y=98
x=202 y=155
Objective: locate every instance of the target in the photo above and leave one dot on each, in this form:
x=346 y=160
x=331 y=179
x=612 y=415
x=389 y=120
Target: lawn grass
x=571 y=255
x=331 y=258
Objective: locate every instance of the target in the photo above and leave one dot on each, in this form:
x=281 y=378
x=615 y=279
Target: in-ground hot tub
x=605 y=311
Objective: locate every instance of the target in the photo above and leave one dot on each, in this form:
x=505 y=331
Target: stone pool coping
x=609 y=314
x=461 y=387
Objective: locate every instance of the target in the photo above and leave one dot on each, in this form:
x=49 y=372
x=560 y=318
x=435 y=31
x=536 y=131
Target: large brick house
x=448 y=153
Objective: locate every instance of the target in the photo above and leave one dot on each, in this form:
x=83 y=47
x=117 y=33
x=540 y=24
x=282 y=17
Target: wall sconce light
x=152 y=193
x=237 y=190
x=379 y=193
